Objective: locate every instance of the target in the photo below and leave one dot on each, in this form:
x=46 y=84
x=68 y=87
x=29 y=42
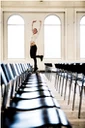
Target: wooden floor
x=71 y=115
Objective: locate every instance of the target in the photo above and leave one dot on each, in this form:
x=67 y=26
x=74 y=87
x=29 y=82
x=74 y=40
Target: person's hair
x=35 y=30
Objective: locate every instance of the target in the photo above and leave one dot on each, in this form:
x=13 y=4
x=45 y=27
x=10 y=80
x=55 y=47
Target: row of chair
x=27 y=101
x=74 y=73
x=48 y=70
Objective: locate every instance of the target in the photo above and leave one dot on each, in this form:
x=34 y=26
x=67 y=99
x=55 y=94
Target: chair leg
x=55 y=80
x=65 y=87
x=80 y=102
x=69 y=91
x=84 y=90
x=59 y=84
x=74 y=95
x=62 y=86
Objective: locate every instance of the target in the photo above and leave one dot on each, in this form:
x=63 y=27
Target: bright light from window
x=15 y=37
x=82 y=22
x=15 y=19
x=82 y=38
x=52 y=37
x=52 y=19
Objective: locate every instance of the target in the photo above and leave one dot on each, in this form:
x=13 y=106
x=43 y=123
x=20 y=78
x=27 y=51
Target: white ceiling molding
x=42 y=0
x=35 y=4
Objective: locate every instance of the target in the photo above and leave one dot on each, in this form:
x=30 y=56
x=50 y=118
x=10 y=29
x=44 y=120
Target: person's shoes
x=41 y=57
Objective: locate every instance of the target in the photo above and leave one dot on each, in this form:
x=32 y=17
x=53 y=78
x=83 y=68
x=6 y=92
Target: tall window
x=52 y=37
x=82 y=37
x=15 y=37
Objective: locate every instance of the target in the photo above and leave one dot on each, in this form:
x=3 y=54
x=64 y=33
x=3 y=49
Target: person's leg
x=35 y=64
x=40 y=56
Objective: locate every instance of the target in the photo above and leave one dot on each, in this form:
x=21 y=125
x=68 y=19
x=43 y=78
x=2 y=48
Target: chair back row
x=72 y=67
x=12 y=76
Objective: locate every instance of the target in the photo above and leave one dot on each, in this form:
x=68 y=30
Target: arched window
x=52 y=37
x=15 y=37
x=82 y=37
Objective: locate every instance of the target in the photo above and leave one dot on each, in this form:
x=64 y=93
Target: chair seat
x=30 y=82
x=20 y=104
x=43 y=117
x=31 y=95
x=32 y=89
x=34 y=84
x=80 y=83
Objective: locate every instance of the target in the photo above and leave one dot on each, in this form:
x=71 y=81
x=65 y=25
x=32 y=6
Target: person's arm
x=35 y=31
x=33 y=23
x=40 y=25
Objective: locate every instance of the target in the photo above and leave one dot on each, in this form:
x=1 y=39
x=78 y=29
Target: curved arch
x=82 y=37
x=52 y=19
x=52 y=36
x=82 y=21
x=15 y=25
x=15 y=19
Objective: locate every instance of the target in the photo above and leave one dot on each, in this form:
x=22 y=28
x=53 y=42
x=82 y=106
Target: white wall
x=37 y=9
x=1 y=33
x=0 y=30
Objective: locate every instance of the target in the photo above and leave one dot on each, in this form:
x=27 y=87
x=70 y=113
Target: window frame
x=79 y=14
x=5 y=46
x=23 y=35
x=80 y=37
x=62 y=50
x=28 y=21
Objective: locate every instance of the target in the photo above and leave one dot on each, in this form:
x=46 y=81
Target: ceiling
x=42 y=0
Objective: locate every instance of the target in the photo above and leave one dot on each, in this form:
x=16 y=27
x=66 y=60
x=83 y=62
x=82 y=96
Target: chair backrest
x=4 y=89
x=13 y=70
x=83 y=68
x=48 y=64
x=21 y=70
x=6 y=72
x=10 y=71
x=3 y=77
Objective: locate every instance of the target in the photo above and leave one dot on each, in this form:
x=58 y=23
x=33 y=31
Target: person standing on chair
x=33 y=46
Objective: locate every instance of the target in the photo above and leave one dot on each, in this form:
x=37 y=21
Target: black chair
x=81 y=83
x=48 y=70
x=21 y=96
x=22 y=112
x=5 y=90
x=74 y=74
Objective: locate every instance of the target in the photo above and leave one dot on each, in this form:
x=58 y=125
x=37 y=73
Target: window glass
x=15 y=37
x=82 y=37
x=52 y=37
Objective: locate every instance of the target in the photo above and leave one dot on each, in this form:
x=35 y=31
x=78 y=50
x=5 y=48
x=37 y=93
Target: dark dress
x=33 y=51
